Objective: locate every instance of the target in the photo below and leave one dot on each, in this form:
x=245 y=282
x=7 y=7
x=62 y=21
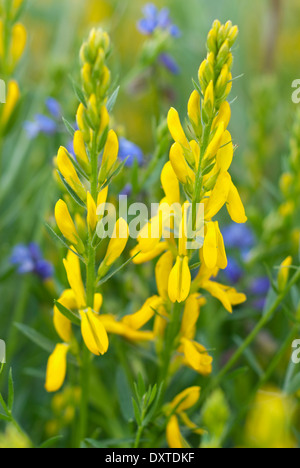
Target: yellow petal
x=119 y=328
x=18 y=42
x=65 y=222
x=91 y=212
x=174 y=437
x=186 y=399
x=215 y=143
x=140 y=318
x=179 y=164
x=225 y=153
x=56 y=368
x=222 y=257
x=148 y=256
x=170 y=184
x=62 y=325
x=162 y=272
x=111 y=151
x=235 y=206
x=179 y=281
x=194 y=107
x=196 y=357
x=284 y=272
x=79 y=147
x=98 y=301
x=68 y=171
x=176 y=129
x=210 y=247
x=190 y=315
x=224 y=116
x=72 y=267
x=118 y=242
x=218 y=196
x=93 y=333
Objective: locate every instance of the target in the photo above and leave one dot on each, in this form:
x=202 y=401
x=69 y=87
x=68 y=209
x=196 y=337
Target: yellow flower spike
x=162 y=272
x=176 y=129
x=196 y=357
x=72 y=267
x=179 y=164
x=222 y=257
x=224 y=115
x=218 y=196
x=235 y=206
x=91 y=212
x=62 y=325
x=140 y=318
x=69 y=173
x=215 y=144
x=186 y=399
x=65 y=223
x=284 y=272
x=110 y=154
x=56 y=368
x=117 y=243
x=194 y=108
x=13 y=96
x=174 y=437
x=225 y=153
x=170 y=184
x=180 y=280
x=79 y=147
x=190 y=315
x=143 y=257
x=93 y=333
x=18 y=42
x=210 y=246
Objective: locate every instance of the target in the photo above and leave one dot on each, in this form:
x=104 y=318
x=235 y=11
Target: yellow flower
x=284 y=272
x=62 y=325
x=117 y=243
x=65 y=222
x=93 y=332
x=180 y=280
x=91 y=212
x=79 y=147
x=140 y=318
x=69 y=173
x=110 y=155
x=18 y=42
x=176 y=129
x=56 y=368
x=162 y=272
x=13 y=96
x=196 y=357
x=72 y=267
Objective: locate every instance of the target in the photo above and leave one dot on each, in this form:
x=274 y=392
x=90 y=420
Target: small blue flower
x=234 y=272
x=43 y=123
x=238 y=236
x=157 y=19
x=29 y=259
x=260 y=286
x=127 y=190
x=169 y=63
x=53 y=107
x=130 y=150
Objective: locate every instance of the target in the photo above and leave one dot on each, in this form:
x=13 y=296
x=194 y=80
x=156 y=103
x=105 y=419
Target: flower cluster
x=87 y=177
x=13 y=38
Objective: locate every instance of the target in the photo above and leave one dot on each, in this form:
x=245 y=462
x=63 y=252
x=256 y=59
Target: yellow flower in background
x=269 y=421
x=56 y=368
x=181 y=403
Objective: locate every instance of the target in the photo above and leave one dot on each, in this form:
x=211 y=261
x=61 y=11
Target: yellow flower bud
x=209 y=100
x=170 y=183
x=93 y=332
x=176 y=129
x=72 y=267
x=65 y=222
x=162 y=272
x=235 y=206
x=91 y=212
x=284 y=272
x=194 y=109
x=117 y=243
x=180 y=280
x=79 y=147
x=183 y=172
x=110 y=155
x=69 y=173
x=56 y=368
x=13 y=96
x=18 y=42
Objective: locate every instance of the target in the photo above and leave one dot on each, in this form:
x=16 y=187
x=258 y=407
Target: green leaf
x=79 y=93
x=11 y=393
x=112 y=100
x=109 y=442
x=36 y=338
x=69 y=127
x=124 y=395
x=61 y=239
x=3 y=404
x=136 y=412
x=114 y=174
x=294 y=384
x=71 y=191
x=50 y=442
x=69 y=314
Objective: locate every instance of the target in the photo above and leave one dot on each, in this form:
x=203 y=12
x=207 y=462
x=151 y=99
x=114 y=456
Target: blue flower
x=43 y=123
x=130 y=150
x=29 y=259
x=169 y=63
x=260 y=286
x=238 y=236
x=157 y=19
x=234 y=272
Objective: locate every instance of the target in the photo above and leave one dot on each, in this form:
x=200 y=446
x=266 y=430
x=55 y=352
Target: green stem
x=263 y=321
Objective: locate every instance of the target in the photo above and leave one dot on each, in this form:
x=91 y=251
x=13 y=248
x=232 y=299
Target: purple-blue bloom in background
x=29 y=259
x=130 y=150
x=234 y=272
x=44 y=124
x=238 y=236
x=157 y=19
